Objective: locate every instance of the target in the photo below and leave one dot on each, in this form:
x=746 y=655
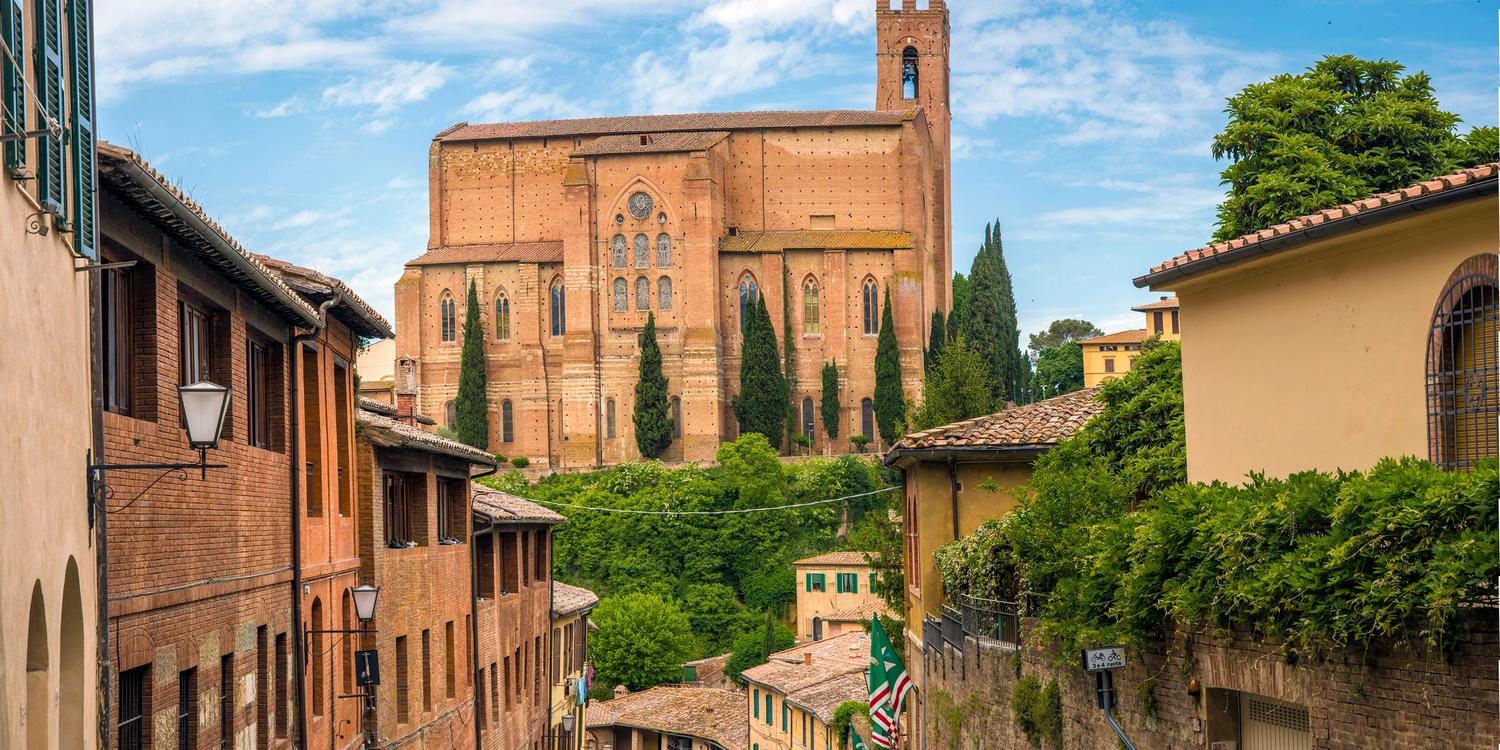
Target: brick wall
x=514 y=639
x=1383 y=696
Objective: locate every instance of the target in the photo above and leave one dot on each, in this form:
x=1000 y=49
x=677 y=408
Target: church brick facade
x=573 y=231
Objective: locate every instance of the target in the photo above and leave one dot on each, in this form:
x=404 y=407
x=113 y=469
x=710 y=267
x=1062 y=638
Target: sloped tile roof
x=842 y=557
x=1166 y=303
x=1132 y=336
x=664 y=123
x=1040 y=424
x=568 y=599
x=719 y=716
x=824 y=698
x=316 y=288
x=1347 y=216
x=379 y=407
x=389 y=433
x=545 y=251
x=773 y=241
x=130 y=178
x=861 y=612
x=651 y=143
x=503 y=507
x=790 y=671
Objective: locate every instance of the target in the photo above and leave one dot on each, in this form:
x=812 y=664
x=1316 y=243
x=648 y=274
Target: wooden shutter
x=14 y=81
x=81 y=93
x=49 y=93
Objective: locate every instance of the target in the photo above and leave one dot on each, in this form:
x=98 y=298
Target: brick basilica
x=573 y=230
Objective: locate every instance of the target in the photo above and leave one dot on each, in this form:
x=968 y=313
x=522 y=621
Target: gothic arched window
x=676 y=417
x=867 y=418
x=507 y=422
x=609 y=418
x=871 y=298
x=642 y=251
x=663 y=293
x=812 y=314
x=642 y=294
x=617 y=251
x=559 y=307
x=663 y=250
x=1463 y=366
x=909 y=73
x=749 y=293
x=502 y=316
x=448 y=315
x=622 y=295
x=807 y=416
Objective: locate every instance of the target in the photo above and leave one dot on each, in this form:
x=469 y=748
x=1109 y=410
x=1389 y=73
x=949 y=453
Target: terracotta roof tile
x=316 y=287
x=1132 y=336
x=666 y=123
x=774 y=241
x=719 y=716
x=1043 y=423
x=379 y=407
x=1483 y=172
x=1166 y=303
x=790 y=672
x=546 y=251
x=389 y=433
x=842 y=557
x=568 y=599
x=861 y=612
x=824 y=698
x=503 y=507
x=652 y=143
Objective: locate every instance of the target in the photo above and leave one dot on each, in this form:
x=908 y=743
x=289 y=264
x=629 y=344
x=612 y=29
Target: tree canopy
x=830 y=407
x=937 y=337
x=1064 y=331
x=642 y=640
x=956 y=388
x=1340 y=131
x=989 y=322
x=761 y=404
x=890 y=397
x=472 y=404
x=653 y=424
x=1059 y=370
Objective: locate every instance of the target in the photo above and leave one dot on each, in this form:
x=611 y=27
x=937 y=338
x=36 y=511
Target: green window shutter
x=809 y=581
x=49 y=173
x=14 y=82
x=854 y=583
x=755 y=703
x=872 y=581
x=81 y=94
x=822 y=582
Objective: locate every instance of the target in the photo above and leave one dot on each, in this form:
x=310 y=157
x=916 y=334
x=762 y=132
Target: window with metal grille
x=1277 y=714
x=226 y=702
x=187 y=709
x=135 y=705
x=1463 y=361
x=281 y=679
x=262 y=687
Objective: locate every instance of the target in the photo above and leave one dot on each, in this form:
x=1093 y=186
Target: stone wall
x=1383 y=696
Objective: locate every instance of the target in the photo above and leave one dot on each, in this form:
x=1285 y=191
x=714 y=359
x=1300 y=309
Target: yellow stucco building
x=571 y=606
x=793 y=695
x=1381 y=315
x=835 y=595
x=1112 y=355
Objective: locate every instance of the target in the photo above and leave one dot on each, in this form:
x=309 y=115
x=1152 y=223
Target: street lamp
x=364 y=601
x=367 y=661
x=203 y=406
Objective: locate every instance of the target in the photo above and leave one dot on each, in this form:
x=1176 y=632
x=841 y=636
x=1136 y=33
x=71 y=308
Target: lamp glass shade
x=567 y=723
x=204 y=405
x=364 y=601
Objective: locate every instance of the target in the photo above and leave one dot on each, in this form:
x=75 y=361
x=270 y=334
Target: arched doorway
x=37 y=671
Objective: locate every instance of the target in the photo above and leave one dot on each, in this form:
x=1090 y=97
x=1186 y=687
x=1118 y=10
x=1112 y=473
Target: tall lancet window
x=909 y=73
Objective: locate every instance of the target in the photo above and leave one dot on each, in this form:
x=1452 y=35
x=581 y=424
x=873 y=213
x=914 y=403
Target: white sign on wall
x=1102 y=659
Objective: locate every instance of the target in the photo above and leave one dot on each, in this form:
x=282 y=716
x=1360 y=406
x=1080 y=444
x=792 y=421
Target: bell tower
x=911 y=54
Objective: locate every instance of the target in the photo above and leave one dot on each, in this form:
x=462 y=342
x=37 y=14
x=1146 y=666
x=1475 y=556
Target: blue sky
x=1084 y=127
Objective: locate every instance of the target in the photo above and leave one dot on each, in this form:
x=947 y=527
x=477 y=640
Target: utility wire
x=712 y=512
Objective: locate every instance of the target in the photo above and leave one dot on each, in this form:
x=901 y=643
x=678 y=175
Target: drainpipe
x=953 y=485
x=294 y=440
x=478 y=675
x=98 y=511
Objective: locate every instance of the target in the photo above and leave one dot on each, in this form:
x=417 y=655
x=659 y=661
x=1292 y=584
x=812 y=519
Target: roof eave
x=1361 y=220
x=901 y=457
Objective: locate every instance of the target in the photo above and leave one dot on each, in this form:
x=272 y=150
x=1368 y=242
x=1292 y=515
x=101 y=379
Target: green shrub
x=1047 y=712
x=843 y=716
x=1023 y=702
x=520 y=462
x=859 y=442
x=982 y=564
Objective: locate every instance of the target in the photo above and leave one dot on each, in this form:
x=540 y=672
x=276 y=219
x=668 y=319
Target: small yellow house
x=570 y=652
x=1382 y=317
x=793 y=695
x=835 y=593
x=1112 y=355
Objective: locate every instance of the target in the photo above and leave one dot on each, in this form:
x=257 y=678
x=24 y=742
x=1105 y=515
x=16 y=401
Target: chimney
x=1164 y=297
x=807 y=658
x=406 y=390
x=621 y=691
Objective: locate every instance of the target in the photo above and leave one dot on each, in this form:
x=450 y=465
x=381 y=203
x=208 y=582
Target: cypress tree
x=472 y=405
x=959 y=315
x=653 y=426
x=761 y=403
x=936 y=339
x=830 y=405
x=990 y=325
x=890 y=400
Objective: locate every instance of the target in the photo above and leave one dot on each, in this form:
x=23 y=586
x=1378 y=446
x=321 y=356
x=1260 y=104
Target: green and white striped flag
x=855 y=741
x=888 y=684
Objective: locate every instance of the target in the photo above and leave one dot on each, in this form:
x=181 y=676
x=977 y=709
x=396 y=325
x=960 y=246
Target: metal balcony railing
x=994 y=619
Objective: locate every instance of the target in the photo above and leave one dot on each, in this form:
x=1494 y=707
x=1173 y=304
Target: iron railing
x=995 y=619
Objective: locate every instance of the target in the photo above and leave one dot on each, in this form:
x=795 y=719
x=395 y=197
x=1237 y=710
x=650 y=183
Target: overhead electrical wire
x=733 y=511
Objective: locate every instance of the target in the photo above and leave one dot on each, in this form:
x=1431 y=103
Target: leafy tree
x=880 y=538
x=1059 y=370
x=1338 y=132
x=716 y=616
x=956 y=388
x=830 y=405
x=890 y=398
x=642 y=640
x=472 y=405
x=653 y=424
x=761 y=405
x=1064 y=331
x=990 y=321
x=958 y=317
x=937 y=337
x=847 y=713
x=754 y=648
x=771 y=588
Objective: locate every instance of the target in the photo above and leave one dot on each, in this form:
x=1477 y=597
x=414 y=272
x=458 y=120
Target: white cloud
x=388 y=88
x=521 y=103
